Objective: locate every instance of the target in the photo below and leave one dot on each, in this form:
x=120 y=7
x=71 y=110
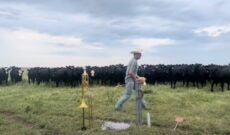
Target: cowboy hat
x=136 y=51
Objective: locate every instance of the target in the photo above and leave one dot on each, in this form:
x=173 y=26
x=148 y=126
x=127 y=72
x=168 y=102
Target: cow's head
x=20 y=72
x=92 y=73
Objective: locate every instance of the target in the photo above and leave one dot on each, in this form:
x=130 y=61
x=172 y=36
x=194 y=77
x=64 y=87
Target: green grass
x=45 y=110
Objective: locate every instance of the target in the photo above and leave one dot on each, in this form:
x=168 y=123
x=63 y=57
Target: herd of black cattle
x=195 y=75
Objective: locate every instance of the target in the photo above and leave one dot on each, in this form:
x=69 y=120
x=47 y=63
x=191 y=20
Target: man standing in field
x=130 y=79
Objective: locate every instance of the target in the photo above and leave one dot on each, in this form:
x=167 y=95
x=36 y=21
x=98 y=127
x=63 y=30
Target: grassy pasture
x=46 y=110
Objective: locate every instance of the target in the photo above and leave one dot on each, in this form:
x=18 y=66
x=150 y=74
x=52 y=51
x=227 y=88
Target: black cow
x=59 y=75
x=201 y=75
x=221 y=75
x=177 y=73
x=16 y=74
x=43 y=75
x=32 y=74
x=3 y=76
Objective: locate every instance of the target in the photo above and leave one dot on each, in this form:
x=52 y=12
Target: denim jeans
x=127 y=93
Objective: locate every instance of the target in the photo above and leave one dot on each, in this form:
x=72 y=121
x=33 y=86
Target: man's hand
x=132 y=75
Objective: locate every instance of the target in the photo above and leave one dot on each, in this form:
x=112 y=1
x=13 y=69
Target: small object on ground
x=118 y=126
x=179 y=121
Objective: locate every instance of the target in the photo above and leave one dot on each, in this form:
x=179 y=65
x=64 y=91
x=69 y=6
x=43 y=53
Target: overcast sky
x=103 y=32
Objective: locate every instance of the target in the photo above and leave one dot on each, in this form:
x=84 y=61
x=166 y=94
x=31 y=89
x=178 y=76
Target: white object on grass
x=108 y=125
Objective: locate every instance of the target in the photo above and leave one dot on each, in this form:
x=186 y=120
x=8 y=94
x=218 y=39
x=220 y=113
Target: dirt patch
x=13 y=117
